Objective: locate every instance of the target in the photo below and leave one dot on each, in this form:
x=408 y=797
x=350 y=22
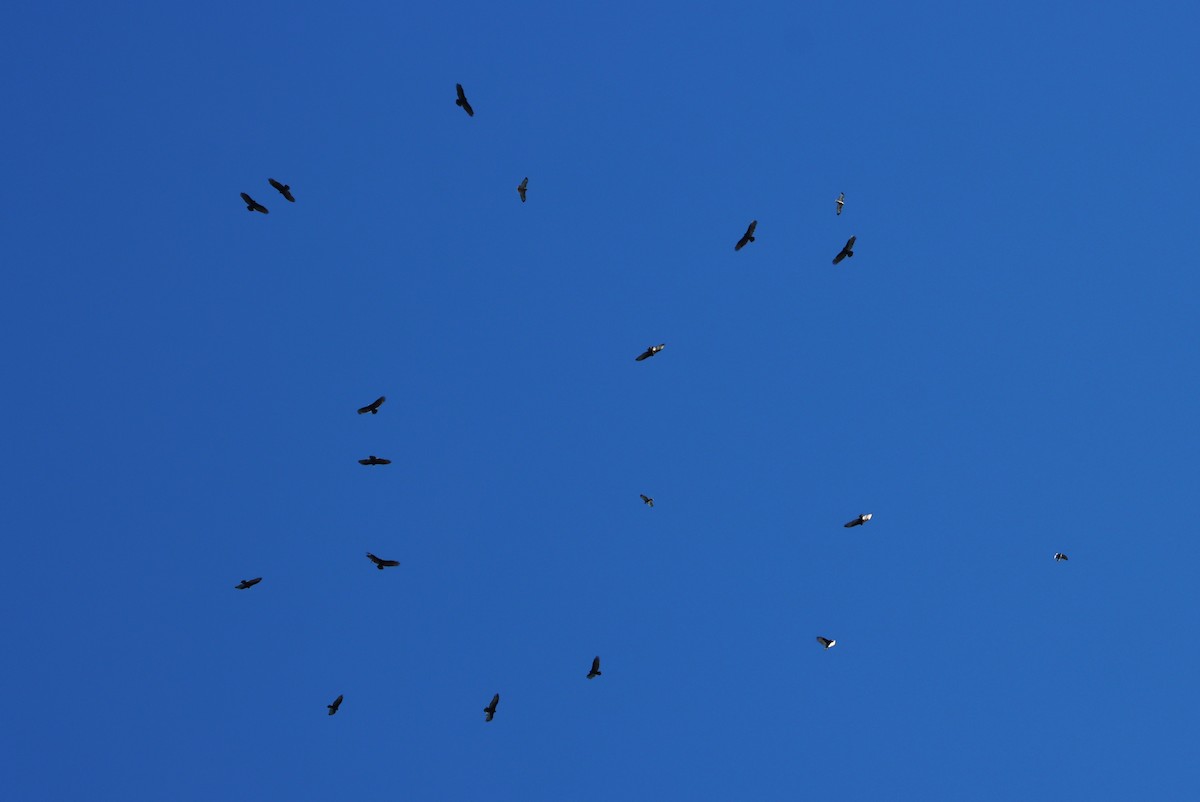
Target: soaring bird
x=521 y=187
x=841 y=201
x=859 y=521
x=252 y=205
x=826 y=642
x=649 y=502
x=284 y=189
x=595 y=672
x=247 y=583
x=462 y=101
x=333 y=708
x=491 y=708
x=374 y=460
x=747 y=237
x=651 y=351
x=847 y=250
x=381 y=564
x=1058 y=557
x=373 y=407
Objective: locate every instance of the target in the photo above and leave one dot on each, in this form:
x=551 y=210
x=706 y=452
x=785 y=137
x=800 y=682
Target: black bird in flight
x=284 y=189
x=381 y=564
x=747 y=237
x=491 y=708
x=859 y=521
x=521 y=187
x=333 y=708
x=847 y=250
x=1060 y=557
x=826 y=642
x=649 y=502
x=247 y=583
x=651 y=351
x=252 y=205
x=595 y=672
x=373 y=407
x=374 y=460
x=462 y=101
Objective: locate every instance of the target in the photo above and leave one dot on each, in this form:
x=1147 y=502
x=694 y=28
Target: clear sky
x=1005 y=369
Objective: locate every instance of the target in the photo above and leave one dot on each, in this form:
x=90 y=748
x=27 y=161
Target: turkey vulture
x=333 y=708
x=848 y=250
x=462 y=101
x=284 y=189
x=651 y=351
x=381 y=564
x=252 y=205
x=521 y=187
x=247 y=583
x=841 y=201
x=373 y=407
x=649 y=502
x=826 y=642
x=859 y=521
x=1059 y=557
x=491 y=708
x=747 y=237
x=595 y=672
x=374 y=460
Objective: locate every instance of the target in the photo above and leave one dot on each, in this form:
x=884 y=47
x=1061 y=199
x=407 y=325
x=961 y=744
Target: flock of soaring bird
x=373 y=407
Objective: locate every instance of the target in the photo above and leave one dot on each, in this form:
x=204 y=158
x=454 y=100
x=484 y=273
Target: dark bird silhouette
x=651 y=351
x=462 y=101
x=373 y=407
x=595 y=672
x=284 y=189
x=374 y=460
x=649 y=502
x=521 y=187
x=1060 y=557
x=248 y=583
x=841 y=201
x=847 y=250
x=333 y=708
x=826 y=642
x=381 y=564
x=859 y=521
x=252 y=205
x=747 y=237
x=491 y=708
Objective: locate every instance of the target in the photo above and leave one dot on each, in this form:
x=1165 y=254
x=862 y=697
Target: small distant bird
x=847 y=250
x=595 y=672
x=826 y=642
x=247 y=583
x=491 y=708
x=649 y=502
x=462 y=101
x=651 y=351
x=841 y=201
x=333 y=708
x=381 y=564
x=521 y=187
x=252 y=205
x=373 y=407
x=374 y=460
x=284 y=189
x=859 y=521
x=747 y=237
x=1058 y=557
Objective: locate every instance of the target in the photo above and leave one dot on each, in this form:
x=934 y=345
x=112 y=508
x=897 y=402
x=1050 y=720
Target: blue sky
x=1004 y=370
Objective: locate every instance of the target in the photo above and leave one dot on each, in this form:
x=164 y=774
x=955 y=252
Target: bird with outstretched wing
x=373 y=407
x=462 y=101
x=381 y=564
x=522 y=187
x=374 y=460
x=847 y=250
x=649 y=502
x=859 y=521
x=333 y=708
x=247 y=583
x=284 y=189
x=595 y=672
x=252 y=205
x=491 y=708
x=826 y=642
x=649 y=352
x=747 y=237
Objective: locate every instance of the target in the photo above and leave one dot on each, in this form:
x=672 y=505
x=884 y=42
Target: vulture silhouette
x=859 y=521
x=252 y=205
x=333 y=708
x=1060 y=557
x=826 y=642
x=649 y=502
x=462 y=101
x=373 y=407
x=595 y=672
x=374 y=460
x=847 y=250
x=284 y=189
x=491 y=708
x=651 y=351
x=521 y=187
x=248 y=583
x=841 y=201
x=747 y=237
x=381 y=564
